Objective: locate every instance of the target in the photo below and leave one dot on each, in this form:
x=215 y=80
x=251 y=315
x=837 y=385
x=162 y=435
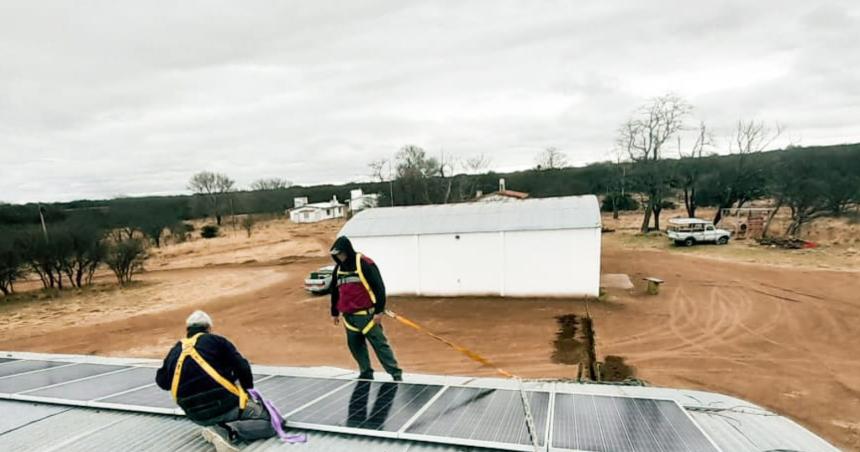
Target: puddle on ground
x=569 y=343
x=615 y=369
x=575 y=344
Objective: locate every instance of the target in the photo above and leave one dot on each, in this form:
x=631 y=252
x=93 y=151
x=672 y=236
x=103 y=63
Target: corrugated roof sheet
x=83 y=429
x=568 y=212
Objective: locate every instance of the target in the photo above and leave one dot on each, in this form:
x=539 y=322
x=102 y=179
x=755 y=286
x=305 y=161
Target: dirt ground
x=737 y=319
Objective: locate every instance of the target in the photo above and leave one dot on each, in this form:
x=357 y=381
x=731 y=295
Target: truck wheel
x=722 y=240
x=689 y=241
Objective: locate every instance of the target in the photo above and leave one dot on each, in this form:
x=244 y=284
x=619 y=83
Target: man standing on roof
x=357 y=292
x=209 y=378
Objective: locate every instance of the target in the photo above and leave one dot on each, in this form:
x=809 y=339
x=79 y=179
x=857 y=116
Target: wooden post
x=653 y=285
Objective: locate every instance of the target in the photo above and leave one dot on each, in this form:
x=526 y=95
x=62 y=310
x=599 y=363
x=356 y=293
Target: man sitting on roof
x=202 y=372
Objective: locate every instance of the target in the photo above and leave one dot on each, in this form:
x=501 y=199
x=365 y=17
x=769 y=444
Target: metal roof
x=568 y=212
x=688 y=221
x=733 y=424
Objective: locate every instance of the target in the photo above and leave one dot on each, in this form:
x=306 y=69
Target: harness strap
x=189 y=350
x=362 y=278
x=364 y=330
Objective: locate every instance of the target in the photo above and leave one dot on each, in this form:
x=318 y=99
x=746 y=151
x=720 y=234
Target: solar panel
x=26 y=366
x=150 y=396
x=601 y=423
x=467 y=416
x=290 y=393
x=486 y=415
x=369 y=405
x=49 y=377
x=97 y=387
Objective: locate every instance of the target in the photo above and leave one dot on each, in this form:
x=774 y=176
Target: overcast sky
x=107 y=98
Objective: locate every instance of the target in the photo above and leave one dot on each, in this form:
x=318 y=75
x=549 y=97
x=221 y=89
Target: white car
x=318 y=281
x=690 y=231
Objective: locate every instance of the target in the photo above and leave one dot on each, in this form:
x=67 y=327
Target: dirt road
x=781 y=337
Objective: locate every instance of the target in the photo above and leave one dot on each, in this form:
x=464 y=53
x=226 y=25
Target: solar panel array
x=459 y=415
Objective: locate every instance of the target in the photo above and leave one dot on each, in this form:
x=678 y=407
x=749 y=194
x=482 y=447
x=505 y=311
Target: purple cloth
x=278 y=420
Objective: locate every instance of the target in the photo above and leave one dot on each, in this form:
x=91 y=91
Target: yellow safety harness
x=366 y=285
x=188 y=350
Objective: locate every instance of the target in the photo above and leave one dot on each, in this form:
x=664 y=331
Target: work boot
x=219 y=438
x=397 y=377
x=366 y=376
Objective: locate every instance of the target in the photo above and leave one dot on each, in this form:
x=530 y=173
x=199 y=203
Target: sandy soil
x=783 y=337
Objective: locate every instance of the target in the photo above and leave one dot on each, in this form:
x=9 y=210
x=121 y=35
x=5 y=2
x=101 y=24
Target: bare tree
x=691 y=168
x=551 y=158
x=248 y=224
x=643 y=137
x=213 y=186
x=381 y=171
x=446 y=173
x=274 y=183
x=477 y=164
x=615 y=186
x=473 y=166
x=744 y=180
x=378 y=170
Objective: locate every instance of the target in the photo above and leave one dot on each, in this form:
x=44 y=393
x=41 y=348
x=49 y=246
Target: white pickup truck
x=690 y=231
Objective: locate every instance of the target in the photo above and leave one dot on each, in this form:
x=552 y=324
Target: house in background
x=503 y=195
x=316 y=212
x=359 y=201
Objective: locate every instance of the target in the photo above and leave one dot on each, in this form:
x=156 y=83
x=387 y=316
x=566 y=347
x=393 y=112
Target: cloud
x=106 y=98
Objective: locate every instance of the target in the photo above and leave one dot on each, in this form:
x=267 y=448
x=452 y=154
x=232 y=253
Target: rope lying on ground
x=530 y=425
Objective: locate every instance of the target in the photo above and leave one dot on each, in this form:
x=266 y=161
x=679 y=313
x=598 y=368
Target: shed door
x=458 y=264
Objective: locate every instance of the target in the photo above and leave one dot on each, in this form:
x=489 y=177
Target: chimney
x=334 y=199
x=502 y=184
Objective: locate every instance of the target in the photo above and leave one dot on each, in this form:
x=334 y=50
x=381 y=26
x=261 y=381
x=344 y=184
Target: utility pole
x=391 y=181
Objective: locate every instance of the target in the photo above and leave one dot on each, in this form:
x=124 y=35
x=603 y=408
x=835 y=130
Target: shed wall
x=527 y=263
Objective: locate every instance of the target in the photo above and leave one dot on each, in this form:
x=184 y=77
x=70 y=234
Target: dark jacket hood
x=342 y=244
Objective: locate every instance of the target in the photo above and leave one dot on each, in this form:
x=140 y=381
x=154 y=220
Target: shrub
x=625 y=202
x=125 y=258
x=209 y=231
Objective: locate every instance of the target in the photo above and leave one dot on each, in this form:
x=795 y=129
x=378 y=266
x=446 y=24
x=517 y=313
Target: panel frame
x=550 y=448
x=450 y=440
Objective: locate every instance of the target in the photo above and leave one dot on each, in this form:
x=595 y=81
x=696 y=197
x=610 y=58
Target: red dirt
x=780 y=337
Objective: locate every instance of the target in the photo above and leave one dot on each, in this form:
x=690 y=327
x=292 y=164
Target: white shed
x=535 y=247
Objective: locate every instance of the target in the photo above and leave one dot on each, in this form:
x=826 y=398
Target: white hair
x=199 y=318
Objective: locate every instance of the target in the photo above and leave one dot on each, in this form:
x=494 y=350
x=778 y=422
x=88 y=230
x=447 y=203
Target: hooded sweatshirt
x=350 y=297
x=199 y=395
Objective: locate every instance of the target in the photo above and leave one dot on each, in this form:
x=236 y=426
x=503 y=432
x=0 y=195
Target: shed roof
x=567 y=212
x=688 y=221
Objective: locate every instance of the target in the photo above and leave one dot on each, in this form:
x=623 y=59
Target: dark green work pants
x=358 y=346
